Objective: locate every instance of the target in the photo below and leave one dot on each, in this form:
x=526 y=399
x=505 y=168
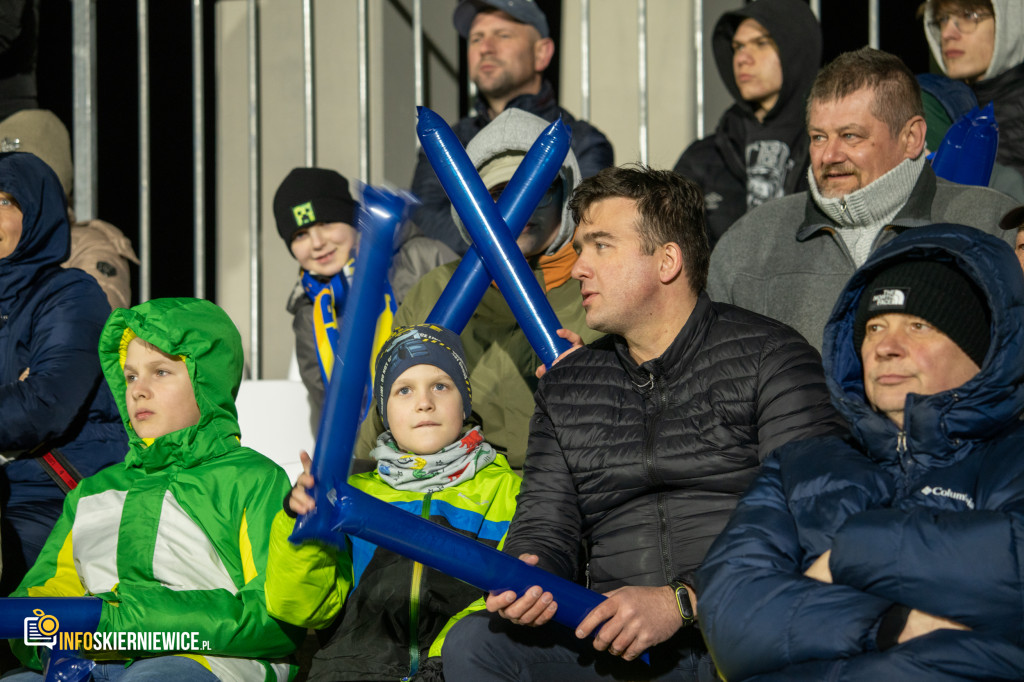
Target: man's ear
x=671 y=264
x=912 y=137
x=543 y=51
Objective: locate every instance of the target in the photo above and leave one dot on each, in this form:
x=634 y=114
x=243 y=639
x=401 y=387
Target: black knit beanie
x=420 y=344
x=312 y=195
x=936 y=292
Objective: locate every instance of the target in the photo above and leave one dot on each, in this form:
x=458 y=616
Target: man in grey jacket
x=869 y=181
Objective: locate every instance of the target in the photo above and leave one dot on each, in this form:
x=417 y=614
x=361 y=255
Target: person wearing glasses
x=502 y=364
x=981 y=43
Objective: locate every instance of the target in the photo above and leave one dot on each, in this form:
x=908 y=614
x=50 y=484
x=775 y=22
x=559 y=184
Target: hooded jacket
x=1003 y=81
x=175 y=538
x=591 y=147
x=50 y=322
x=501 y=361
x=747 y=162
x=930 y=516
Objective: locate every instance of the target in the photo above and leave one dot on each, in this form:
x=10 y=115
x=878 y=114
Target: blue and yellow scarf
x=328 y=306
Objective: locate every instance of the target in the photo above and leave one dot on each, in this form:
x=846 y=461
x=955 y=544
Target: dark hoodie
x=928 y=516
x=50 y=322
x=747 y=162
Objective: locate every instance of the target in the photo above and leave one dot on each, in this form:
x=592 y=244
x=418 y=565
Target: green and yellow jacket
x=175 y=538
x=397 y=612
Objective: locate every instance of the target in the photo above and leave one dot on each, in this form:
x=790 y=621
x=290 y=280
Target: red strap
x=68 y=479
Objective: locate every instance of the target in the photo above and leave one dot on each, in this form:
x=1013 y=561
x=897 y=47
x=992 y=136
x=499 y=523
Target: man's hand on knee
x=536 y=607
x=635 y=619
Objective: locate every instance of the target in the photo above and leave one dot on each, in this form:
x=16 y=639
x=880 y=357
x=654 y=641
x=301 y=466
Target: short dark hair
x=670 y=209
x=897 y=96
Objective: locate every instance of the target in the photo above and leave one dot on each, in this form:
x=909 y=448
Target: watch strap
x=682 y=593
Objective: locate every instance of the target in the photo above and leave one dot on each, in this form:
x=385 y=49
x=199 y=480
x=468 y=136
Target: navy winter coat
x=930 y=517
x=50 y=322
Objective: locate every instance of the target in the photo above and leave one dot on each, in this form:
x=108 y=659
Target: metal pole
x=363 y=48
x=198 y=152
x=698 y=60
x=145 y=247
x=252 y=35
x=308 y=81
x=585 y=59
x=417 y=50
x=641 y=28
x=873 y=23
x=83 y=38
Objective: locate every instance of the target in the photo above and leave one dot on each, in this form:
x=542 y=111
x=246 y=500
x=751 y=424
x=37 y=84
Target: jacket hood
x=1008 y=51
x=45 y=233
x=514 y=131
x=797 y=34
x=936 y=425
x=208 y=341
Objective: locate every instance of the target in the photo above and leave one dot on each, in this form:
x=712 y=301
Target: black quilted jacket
x=642 y=465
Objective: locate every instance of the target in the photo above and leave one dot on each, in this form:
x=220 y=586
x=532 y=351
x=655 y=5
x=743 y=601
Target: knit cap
x=936 y=292
x=420 y=344
x=312 y=195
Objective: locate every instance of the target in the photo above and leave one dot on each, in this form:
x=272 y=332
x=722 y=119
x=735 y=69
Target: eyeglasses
x=965 y=20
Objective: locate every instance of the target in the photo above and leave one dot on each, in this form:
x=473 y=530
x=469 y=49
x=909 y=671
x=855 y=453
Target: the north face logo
x=889 y=298
x=304 y=214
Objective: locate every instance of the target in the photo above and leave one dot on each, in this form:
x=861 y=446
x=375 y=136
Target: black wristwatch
x=682 y=593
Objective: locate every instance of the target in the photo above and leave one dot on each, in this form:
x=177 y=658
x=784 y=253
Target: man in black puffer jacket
x=642 y=443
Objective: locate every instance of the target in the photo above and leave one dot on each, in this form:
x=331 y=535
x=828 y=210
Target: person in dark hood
x=59 y=420
x=767 y=54
x=893 y=553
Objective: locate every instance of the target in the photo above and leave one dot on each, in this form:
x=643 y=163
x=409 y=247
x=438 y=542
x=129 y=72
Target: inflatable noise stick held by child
x=516 y=205
x=491 y=236
x=381 y=213
x=343 y=510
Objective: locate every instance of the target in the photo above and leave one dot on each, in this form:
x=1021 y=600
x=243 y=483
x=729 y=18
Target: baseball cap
x=523 y=11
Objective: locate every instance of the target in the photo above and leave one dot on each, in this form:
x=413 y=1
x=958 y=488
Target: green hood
x=211 y=346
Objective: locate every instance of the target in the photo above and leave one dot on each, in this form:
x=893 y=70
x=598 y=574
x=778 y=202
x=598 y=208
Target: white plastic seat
x=274 y=417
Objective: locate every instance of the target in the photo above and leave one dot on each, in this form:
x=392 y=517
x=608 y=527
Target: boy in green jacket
x=396 y=611
x=175 y=538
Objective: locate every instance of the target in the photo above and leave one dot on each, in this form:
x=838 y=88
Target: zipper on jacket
x=901 y=443
x=415 y=587
x=649 y=422
x=661 y=400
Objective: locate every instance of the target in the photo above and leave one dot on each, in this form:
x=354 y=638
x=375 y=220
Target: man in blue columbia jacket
x=897 y=553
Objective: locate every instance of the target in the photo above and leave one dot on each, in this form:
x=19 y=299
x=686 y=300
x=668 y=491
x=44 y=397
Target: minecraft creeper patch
x=304 y=214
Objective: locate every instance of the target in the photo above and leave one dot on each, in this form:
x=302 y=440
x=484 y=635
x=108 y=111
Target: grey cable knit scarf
x=861 y=215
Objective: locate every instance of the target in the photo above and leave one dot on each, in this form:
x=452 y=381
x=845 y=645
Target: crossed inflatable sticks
x=343 y=510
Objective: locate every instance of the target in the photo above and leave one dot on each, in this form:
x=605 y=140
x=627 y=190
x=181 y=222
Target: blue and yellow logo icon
x=41 y=629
